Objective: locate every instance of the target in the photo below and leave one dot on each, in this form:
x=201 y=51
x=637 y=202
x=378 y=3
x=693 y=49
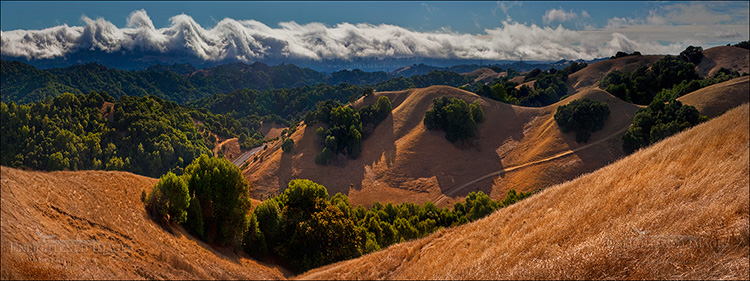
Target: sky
x=248 y=31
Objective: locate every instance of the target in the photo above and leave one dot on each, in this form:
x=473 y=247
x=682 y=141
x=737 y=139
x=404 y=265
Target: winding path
x=458 y=188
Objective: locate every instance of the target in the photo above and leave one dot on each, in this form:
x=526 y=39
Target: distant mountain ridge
x=184 y=82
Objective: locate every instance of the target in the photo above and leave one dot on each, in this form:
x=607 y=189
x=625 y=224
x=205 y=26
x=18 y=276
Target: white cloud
x=250 y=40
x=585 y=14
x=691 y=23
x=558 y=15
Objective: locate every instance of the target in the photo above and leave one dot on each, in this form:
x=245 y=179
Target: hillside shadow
x=497 y=133
x=381 y=144
x=226 y=253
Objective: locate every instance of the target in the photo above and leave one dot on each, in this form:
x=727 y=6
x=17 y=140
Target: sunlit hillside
x=676 y=210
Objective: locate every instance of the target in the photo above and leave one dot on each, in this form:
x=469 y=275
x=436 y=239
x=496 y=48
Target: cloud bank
x=250 y=40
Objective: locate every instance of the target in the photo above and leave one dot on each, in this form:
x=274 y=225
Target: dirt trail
x=456 y=189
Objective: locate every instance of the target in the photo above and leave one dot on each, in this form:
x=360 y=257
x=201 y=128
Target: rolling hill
x=676 y=210
x=92 y=225
x=402 y=161
x=729 y=57
x=591 y=75
x=715 y=99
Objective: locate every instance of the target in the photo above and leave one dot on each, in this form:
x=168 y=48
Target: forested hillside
x=146 y=135
x=179 y=83
x=183 y=83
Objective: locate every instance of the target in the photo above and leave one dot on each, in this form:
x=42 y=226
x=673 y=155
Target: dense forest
x=287 y=104
x=146 y=135
x=181 y=83
x=23 y=83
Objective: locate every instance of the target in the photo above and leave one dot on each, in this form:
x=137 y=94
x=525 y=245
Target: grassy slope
x=715 y=99
x=104 y=207
x=678 y=209
x=403 y=162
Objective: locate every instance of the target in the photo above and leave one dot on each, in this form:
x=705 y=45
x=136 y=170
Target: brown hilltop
x=732 y=58
x=485 y=75
x=715 y=99
x=638 y=218
x=591 y=75
x=97 y=211
x=402 y=161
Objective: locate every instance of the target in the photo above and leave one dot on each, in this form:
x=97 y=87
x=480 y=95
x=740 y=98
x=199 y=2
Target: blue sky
x=465 y=17
x=247 y=31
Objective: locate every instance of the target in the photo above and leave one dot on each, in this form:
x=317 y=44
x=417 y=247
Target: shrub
x=288 y=145
x=223 y=191
x=156 y=205
x=476 y=112
x=169 y=199
x=367 y=92
x=582 y=116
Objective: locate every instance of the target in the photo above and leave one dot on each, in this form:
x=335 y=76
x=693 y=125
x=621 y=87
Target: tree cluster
x=743 y=44
x=642 y=85
x=435 y=77
x=549 y=87
x=661 y=119
x=582 y=116
x=211 y=199
x=457 y=118
x=343 y=129
x=307 y=229
x=621 y=54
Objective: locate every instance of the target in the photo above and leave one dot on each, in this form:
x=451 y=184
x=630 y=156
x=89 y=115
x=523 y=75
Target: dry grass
x=97 y=210
x=676 y=210
x=715 y=99
x=592 y=74
x=485 y=75
x=271 y=130
x=231 y=148
x=732 y=58
x=402 y=161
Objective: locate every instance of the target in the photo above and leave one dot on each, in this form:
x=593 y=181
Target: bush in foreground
x=169 y=199
x=211 y=198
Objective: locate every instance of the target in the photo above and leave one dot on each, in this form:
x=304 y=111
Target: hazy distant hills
x=138 y=60
x=183 y=82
